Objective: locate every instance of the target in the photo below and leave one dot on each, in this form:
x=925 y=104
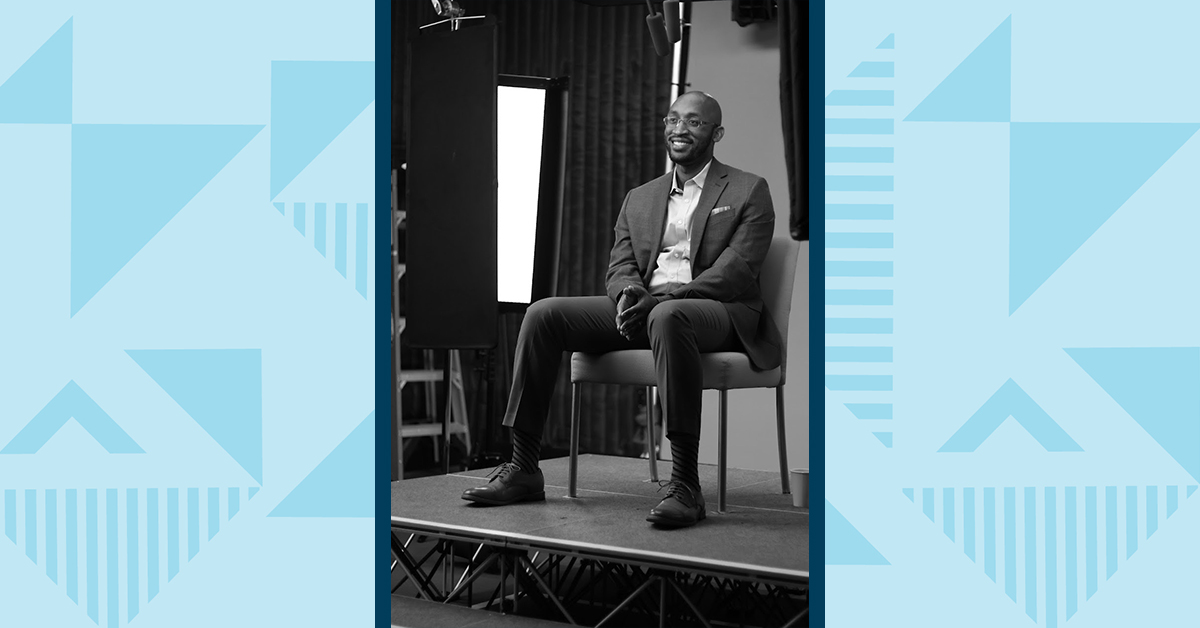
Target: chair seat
x=724 y=370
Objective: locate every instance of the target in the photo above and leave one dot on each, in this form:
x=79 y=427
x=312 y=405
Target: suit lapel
x=656 y=224
x=714 y=184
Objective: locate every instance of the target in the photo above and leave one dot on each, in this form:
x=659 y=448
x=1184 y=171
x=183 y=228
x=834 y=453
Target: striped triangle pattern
x=131 y=540
x=342 y=237
x=860 y=125
x=1098 y=528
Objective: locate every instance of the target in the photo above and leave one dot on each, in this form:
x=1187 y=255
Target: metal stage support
x=585 y=587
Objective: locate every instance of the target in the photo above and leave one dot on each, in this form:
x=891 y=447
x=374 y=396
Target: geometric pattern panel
x=179 y=360
x=40 y=90
x=127 y=542
x=1067 y=179
x=342 y=484
x=1007 y=266
x=859 y=268
x=340 y=236
x=1049 y=548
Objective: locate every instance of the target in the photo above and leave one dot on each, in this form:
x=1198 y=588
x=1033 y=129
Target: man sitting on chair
x=682 y=280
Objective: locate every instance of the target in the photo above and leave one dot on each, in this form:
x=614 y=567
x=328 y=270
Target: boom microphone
x=671 y=12
x=658 y=34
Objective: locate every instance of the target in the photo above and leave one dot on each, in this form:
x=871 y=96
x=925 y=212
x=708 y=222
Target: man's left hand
x=631 y=319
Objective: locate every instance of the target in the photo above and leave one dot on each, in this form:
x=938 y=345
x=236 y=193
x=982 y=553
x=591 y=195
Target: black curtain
x=793 y=103
x=619 y=90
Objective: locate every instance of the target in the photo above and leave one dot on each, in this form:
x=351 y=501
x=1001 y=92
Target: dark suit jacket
x=727 y=248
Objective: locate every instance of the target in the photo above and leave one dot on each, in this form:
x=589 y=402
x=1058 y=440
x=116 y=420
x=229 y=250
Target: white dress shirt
x=675 y=258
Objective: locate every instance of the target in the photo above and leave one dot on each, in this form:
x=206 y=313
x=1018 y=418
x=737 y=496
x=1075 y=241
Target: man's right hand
x=632 y=309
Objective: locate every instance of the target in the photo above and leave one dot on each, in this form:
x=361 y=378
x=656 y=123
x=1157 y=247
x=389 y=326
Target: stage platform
x=760 y=539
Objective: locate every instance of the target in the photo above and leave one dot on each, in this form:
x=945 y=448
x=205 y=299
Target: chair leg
x=784 y=476
x=573 y=465
x=722 y=431
x=652 y=412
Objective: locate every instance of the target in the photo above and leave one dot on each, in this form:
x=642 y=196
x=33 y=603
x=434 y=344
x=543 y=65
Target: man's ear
x=718 y=133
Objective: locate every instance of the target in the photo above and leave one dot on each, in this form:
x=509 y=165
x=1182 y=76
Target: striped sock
x=526 y=449
x=685 y=453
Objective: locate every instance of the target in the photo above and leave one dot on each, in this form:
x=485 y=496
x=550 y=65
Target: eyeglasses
x=694 y=123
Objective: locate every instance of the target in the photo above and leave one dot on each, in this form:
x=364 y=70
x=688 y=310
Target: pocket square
x=721 y=209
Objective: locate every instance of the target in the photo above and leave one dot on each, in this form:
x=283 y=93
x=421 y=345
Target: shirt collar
x=699 y=178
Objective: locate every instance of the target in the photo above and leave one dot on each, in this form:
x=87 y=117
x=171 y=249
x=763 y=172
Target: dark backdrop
x=619 y=90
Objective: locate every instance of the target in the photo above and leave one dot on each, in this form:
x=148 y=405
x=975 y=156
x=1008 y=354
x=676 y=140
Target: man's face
x=687 y=146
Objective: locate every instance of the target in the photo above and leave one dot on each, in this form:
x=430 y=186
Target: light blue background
x=227 y=271
x=1131 y=284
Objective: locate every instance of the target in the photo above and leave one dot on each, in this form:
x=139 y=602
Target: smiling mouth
x=679 y=144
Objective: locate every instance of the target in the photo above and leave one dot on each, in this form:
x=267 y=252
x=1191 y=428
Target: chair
x=723 y=371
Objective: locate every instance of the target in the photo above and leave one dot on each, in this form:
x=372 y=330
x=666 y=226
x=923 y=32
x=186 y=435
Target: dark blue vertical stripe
x=816 y=317
x=1172 y=499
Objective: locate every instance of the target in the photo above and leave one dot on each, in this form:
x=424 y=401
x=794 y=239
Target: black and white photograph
x=600 y=313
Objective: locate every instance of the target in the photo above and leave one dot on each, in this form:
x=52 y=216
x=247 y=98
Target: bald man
x=682 y=280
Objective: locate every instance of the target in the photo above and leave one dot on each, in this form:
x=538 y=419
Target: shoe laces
x=678 y=490
x=503 y=471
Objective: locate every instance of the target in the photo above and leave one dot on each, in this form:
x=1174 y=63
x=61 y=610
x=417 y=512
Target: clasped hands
x=632 y=310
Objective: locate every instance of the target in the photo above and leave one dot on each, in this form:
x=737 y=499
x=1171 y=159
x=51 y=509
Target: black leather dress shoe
x=509 y=484
x=683 y=506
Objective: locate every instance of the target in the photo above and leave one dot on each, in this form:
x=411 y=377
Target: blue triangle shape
x=221 y=389
x=1066 y=179
x=844 y=544
x=979 y=89
x=871 y=411
x=1191 y=489
x=1010 y=400
x=908 y=492
x=885 y=438
x=40 y=90
x=128 y=181
x=72 y=402
x=1159 y=387
x=311 y=103
x=342 y=485
x=888 y=43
